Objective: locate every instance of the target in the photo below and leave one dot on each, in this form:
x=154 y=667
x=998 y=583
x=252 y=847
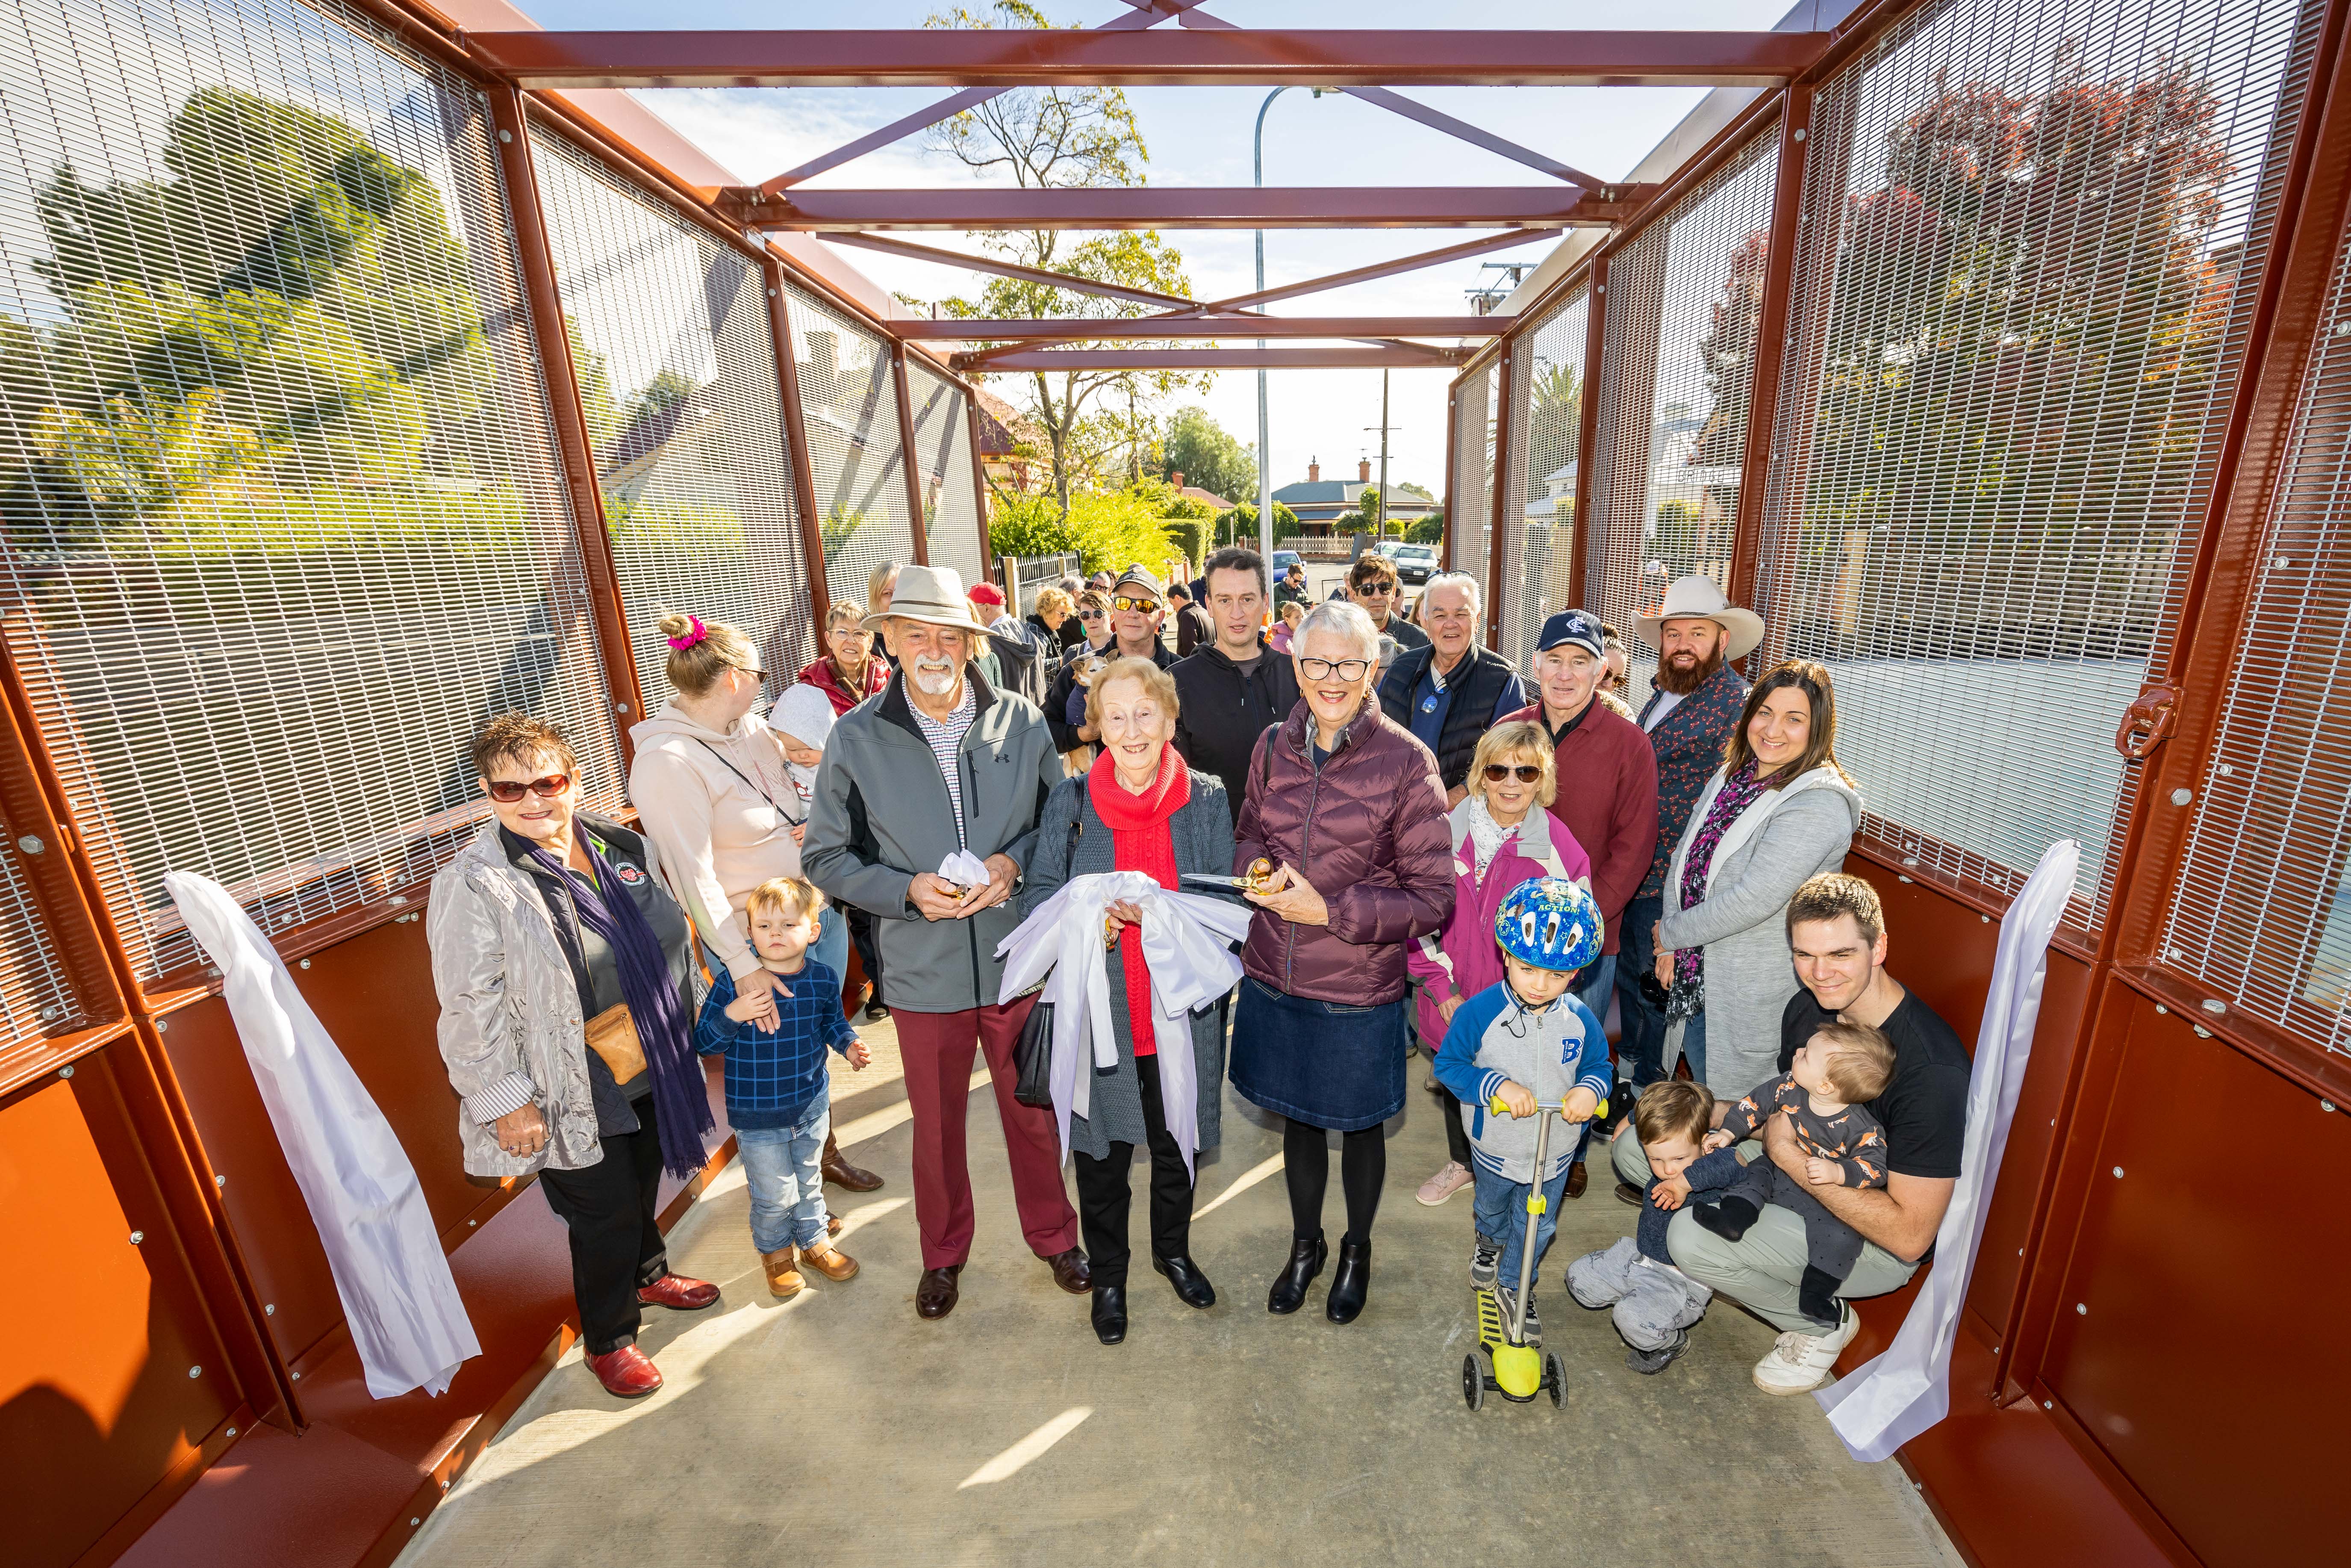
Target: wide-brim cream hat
x=1695 y=598
x=933 y=594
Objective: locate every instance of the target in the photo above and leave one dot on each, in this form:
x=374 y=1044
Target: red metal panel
x=108 y=1389
x=2184 y=1248
x=1181 y=207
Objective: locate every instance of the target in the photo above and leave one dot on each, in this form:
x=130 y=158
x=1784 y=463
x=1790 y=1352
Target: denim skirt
x=1323 y=1063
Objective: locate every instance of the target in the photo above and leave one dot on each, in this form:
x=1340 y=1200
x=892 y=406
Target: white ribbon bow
x=1185 y=946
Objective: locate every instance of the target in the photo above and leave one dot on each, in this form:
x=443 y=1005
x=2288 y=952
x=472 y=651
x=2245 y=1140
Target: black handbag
x=1032 y=1054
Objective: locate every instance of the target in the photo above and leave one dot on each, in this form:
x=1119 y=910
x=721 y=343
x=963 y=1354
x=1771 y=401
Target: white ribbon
x=964 y=869
x=1894 y=1397
x=1185 y=946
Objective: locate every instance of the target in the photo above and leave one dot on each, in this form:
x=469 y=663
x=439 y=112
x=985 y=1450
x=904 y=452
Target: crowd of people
x=1439 y=852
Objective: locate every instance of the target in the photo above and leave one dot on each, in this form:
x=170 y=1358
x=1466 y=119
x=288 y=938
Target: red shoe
x=678 y=1292
x=626 y=1373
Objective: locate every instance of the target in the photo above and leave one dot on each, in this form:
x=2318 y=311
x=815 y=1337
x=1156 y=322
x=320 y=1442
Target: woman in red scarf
x=1138 y=808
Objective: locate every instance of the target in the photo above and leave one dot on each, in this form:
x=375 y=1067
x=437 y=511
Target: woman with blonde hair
x=1056 y=620
x=850 y=672
x=1779 y=811
x=713 y=790
x=1502 y=836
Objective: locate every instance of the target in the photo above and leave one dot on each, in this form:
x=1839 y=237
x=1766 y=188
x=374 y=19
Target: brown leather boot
x=784 y=1279
x=830 y=1261
x=841 y=1174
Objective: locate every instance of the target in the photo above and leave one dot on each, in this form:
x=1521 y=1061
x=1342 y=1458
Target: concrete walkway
x=839 y=1428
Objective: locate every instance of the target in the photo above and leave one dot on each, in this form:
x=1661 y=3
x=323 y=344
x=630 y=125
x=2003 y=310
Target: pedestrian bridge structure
x=367 y=366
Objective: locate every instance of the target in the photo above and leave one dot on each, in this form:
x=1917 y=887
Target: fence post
x=578 y=455
x=1452 y=462
x=979 y=492
x=1587 y=430
x=907 y=457
x=1770 y=343
x=1502 y=460
x=796 y=450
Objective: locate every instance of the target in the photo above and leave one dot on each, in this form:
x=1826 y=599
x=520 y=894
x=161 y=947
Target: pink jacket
x=1464 y=959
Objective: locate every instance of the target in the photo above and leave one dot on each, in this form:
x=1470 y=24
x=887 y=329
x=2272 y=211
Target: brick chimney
x=1176 y=480
x=1362 y=470
x=1313 y=473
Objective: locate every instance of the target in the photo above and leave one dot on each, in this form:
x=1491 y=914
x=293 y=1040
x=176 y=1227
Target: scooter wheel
x=1555 y=1379
x=1473 y=1383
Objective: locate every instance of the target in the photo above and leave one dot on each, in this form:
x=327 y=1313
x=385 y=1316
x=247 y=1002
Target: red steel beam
x=1070 y=328
x=1408 y=356
x=1772 y=335
x=1180 y=207
x=916 y=526
x=1587 y=431
x=996 y=268
x=1503 y=458
x=1413 y=263
x=795 y=446
x=1003 y=58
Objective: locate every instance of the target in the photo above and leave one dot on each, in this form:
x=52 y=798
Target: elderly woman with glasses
x=1502 y=836
x=1342 y=794
x=849 y=673
x=564 y=969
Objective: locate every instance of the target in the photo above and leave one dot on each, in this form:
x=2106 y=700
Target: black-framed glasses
x=1528 y=773
x=1128 y=602
x=1323 y=669
x=507 y=791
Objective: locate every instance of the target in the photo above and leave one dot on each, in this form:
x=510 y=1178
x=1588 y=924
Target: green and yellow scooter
x=1521 y=1371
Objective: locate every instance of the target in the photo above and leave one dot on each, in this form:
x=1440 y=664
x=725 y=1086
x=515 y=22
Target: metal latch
x=2146 y=723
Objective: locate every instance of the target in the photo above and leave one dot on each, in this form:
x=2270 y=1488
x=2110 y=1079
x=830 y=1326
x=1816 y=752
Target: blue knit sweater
x=771 y=1078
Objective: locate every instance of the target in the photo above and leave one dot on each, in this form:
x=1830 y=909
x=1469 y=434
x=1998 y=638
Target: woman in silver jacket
x=550 y=929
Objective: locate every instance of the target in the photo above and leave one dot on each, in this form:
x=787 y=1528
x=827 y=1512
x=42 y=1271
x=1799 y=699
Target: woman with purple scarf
x=564 y=970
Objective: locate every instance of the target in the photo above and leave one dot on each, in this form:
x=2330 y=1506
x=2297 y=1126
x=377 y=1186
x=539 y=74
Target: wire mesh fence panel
x=1539 y=513
x=849 y=405
x=1471 y=509
x=36 y=999
x=942 y=462
x=275 y=465
x=1685 y=297
x=677 y=368
x=2261 y=916
x=2032 y=236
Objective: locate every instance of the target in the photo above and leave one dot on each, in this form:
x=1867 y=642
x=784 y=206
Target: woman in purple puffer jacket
x=1338 y=797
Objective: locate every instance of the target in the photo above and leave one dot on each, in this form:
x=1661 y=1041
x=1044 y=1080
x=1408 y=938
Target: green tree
x=1207 y=455
x=1427 y=531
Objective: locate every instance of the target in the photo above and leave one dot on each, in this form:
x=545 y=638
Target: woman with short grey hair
x=1320 y=1031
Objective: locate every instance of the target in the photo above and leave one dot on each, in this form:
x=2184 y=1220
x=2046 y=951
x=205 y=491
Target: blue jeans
x=1640 y=1052
x=830 y=947
x=783 y=1165
x=1501 y=1214
x=1694 y=1045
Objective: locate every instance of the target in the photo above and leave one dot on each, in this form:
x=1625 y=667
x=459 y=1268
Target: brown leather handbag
x=613 y=1035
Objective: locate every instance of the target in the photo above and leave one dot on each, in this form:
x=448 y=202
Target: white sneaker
x=1799 y=1362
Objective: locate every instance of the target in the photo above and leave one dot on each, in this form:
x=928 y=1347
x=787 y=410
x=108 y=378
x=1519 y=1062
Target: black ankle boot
x=1110 y=1313
x=1289 y=1292
x=1192 y=1287
x=1350 y=1282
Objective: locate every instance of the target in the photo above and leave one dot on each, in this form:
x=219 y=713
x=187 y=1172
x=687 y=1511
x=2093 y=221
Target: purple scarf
x=1739 y=791
x=681 y=1094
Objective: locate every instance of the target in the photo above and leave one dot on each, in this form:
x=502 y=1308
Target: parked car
x=1283 y=560
x=1414 y=563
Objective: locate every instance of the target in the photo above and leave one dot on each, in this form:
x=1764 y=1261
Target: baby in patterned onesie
x=1824 y=1091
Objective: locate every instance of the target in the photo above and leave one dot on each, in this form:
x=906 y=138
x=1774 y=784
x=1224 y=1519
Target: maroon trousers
x=937 y=1050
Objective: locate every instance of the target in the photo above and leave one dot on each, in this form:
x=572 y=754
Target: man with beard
x=941 y=762
x=1694 y=703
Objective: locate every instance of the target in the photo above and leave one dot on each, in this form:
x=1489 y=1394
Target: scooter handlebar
x=1495 y=1107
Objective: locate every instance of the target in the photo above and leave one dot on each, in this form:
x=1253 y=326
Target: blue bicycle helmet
x=1549 y=924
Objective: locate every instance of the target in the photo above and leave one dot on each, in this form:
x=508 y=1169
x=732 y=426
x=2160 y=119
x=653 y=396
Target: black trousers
x=1456 y=1132
x=612 y=1210
x=869 y=950
x=1104 y=1194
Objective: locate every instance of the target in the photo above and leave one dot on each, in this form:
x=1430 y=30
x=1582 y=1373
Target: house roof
x=1003 y=428
x=1345 y=493
x=1194 y=493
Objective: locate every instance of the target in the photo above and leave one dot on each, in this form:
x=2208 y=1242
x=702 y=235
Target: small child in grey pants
x=1825 y=1090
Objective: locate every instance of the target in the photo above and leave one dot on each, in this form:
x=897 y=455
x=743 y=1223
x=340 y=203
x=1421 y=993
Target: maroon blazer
x=1369 y=832
x=1608 y=798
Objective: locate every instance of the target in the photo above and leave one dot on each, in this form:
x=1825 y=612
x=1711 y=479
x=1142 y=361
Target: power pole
x=1384 y=428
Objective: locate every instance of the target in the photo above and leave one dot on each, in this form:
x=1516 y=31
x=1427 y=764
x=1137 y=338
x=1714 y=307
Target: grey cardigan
x=1788 y=836
x=1203 y=835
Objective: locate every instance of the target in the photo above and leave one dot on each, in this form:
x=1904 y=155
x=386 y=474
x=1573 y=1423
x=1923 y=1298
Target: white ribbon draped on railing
x=1895 y=1396
x=1186 y=945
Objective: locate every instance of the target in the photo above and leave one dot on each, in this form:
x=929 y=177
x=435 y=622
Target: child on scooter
x=1526 y=1042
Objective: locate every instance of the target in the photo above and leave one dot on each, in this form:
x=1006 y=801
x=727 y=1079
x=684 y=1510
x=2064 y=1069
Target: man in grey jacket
x=941 y=762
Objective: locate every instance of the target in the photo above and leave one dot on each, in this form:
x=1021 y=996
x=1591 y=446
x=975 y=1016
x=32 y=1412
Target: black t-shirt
x=1925 y=1108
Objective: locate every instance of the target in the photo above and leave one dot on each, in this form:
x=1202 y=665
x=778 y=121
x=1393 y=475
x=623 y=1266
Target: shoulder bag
x=1032 y=1054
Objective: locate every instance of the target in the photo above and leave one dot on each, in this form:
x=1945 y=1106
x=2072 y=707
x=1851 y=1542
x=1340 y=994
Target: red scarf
x=1139 y=841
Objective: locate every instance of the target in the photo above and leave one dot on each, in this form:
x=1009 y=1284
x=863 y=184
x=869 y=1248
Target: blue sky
x=1201 y=136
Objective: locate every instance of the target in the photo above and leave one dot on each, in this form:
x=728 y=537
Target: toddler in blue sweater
x=778 y=1092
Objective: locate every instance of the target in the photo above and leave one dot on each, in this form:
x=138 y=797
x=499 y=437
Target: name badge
x=1428 y=703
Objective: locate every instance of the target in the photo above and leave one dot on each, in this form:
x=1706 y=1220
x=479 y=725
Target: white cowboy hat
x=932 y=594
x=1695 y=598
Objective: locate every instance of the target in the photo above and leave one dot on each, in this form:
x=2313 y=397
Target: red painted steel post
x=1771 y=343
x=796 y=450
x=917 y=525
x=1587 y=433
x=1503 y=458
x=1452 y=468
x=577 y=452
x=979 y=493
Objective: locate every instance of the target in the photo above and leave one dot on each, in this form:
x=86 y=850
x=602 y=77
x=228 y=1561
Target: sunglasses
x=1127 y=601
x=1497 y=771
x=1323 y=669
x=507 y=792
x=1089 y=615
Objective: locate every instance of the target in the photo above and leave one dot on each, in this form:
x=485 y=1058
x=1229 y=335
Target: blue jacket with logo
x=1553 y=1051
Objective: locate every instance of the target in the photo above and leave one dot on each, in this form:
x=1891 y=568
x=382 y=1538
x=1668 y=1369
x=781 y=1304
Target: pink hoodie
x=1464 y=959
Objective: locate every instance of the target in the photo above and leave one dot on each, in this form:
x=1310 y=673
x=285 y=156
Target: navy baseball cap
x=1571 y=627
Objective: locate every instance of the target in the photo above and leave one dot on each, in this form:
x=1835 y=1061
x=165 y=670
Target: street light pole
x=1383 y=455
